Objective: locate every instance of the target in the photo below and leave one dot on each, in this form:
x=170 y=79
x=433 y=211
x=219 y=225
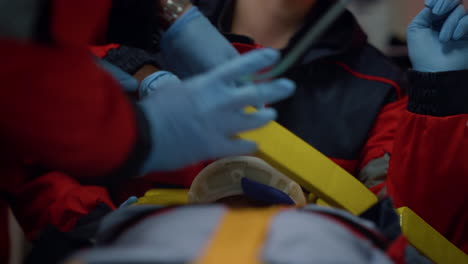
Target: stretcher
x=420 y=234
x=329 y=185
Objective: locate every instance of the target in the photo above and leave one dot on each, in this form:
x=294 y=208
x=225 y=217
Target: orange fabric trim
x=239 y=237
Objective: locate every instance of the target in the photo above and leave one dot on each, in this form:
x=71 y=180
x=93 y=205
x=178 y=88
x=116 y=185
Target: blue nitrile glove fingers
x=241 y=121
x=128 y=83
x=129 y=201
x=428 y=53
x=192 y=45
x=264 y=193
x=198 y=119
x=155 y=81
x=256 y=94
x=441 y=7
x=232 y=71
x=450 y=24
x=462 y=29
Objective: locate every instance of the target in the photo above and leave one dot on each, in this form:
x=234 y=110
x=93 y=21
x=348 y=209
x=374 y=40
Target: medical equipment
x=223 y=178
x=303 y=45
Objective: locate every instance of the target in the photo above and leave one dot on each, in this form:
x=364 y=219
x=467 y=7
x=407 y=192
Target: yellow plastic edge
x=321 y=202
x=311 y=169
x=164 y=197
x=428 y=241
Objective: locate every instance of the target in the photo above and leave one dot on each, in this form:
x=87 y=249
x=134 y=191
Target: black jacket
x=344 y=87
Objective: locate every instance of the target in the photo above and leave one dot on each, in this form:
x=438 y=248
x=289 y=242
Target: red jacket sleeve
x=382 y=136
x=60 y=111
x=58 y=200
x=375 y=155
x=429 y=170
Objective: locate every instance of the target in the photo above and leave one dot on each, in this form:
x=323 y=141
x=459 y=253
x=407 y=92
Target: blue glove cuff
x=128 y=83
x=155 y=81
x=180 y=23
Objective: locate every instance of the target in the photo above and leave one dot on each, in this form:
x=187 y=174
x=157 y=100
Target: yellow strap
x=427 y=240
x=166 y=197
x=239 y=237
x=311 y=169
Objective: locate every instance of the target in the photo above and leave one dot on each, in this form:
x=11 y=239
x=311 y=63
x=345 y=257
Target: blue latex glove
x=192 y=45
x=447 y=15
x=442 y=7
x=156 y=81
x=130 y=201
x=427 y=52
x=198 y=119
x=264 y=193
x=128 y=83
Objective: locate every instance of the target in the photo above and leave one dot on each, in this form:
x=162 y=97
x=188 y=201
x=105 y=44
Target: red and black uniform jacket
x=349 y=96
x=429 y=169
x=60 y=113
x=348 y=101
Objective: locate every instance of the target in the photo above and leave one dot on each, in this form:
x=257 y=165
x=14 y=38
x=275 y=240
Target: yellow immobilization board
x=311 y=169
x=427 y=240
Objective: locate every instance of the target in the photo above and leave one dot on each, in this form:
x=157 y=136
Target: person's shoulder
x=370 y=61
x=368 y=64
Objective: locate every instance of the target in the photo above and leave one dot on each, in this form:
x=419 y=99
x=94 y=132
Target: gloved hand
x=427 y=52
x=156 y=81
x=447 y=15
x=198 y=119
x=264 y=193
x=196 y=44
x=128 y=83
